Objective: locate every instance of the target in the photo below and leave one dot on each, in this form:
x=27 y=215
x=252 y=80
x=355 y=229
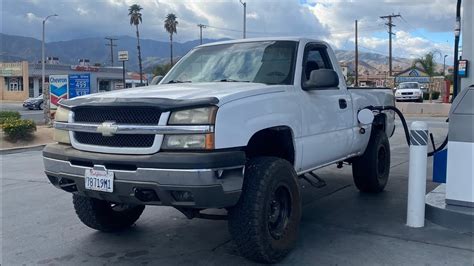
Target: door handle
x=342 y=103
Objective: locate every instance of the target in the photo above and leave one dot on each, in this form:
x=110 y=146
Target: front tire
x=105 y=216
x=371 y=170
x=264 y=224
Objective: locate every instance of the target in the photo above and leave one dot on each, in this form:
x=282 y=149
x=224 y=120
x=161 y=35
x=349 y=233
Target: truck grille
x=125 y=141
x=407 y=93
x=141 y=115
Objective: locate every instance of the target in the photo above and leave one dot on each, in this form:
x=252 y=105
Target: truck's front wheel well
x=275 y=141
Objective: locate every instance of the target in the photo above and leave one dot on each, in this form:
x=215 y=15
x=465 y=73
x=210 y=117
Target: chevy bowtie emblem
x=107 y=129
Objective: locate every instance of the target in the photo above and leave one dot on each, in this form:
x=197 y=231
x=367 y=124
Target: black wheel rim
x=381 y=161
x=279 y=211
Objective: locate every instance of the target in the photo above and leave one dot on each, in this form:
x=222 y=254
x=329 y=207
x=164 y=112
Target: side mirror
x=321 y=79
x=156 y=80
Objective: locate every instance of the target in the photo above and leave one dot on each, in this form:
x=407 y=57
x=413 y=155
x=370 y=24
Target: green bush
x=6 y=115
x=426 y=96
x=434 y=95
x=18 y=129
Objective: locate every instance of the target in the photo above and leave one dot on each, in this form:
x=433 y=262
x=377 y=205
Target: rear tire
x=264 y=224
x=40 y=106
x=371 y=170
x=105 y=216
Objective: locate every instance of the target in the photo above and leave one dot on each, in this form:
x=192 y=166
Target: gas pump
x=460 y=171
x=452 y=204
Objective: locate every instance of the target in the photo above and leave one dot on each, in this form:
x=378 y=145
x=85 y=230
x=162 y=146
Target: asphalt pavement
x=340 y=226
x=35 y=115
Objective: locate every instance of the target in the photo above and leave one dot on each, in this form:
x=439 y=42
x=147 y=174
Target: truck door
x=327 y=114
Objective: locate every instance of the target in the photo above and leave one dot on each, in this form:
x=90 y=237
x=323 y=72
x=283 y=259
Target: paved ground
x=35 y=115
x=340 y=226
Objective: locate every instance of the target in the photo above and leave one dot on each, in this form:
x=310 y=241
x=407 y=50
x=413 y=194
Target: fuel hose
x=405 y=127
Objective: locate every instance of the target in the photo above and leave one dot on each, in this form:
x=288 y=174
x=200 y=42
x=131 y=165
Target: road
x=35 y=115
x=340 y=226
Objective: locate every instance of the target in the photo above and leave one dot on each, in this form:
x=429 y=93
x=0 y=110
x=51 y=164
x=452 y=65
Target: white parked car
x=409 y=91
x=233 y=125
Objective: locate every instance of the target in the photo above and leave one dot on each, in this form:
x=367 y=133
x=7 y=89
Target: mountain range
x=18 y=48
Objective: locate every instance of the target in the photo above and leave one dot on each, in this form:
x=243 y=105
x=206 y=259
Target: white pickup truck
x=232 y=126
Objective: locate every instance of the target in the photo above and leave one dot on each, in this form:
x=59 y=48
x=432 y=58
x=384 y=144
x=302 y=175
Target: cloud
x=330 y=20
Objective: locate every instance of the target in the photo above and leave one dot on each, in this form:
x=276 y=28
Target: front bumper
x=214 y=179
x=408 y=98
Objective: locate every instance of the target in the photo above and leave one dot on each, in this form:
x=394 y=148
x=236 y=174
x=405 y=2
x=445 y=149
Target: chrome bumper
x=210 y=188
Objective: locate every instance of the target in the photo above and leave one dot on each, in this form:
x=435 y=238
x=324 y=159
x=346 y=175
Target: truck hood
x=223 y=91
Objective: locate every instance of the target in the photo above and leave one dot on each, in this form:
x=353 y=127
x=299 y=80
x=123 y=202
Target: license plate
x=99 y=180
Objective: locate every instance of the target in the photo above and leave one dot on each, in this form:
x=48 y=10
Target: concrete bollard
x=417 y=174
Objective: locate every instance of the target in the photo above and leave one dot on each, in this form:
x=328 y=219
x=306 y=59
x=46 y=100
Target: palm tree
x=428 y=64
x=170 y=25
x=135 y=19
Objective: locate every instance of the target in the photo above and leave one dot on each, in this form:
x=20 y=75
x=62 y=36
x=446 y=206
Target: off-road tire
x=100 y=215
x=251 y=224
x=371 y=170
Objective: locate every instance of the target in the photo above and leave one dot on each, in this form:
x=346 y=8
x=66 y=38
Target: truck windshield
x=408 y=86
x=269 y=62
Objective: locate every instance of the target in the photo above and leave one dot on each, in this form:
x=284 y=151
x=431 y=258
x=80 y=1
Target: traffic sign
x=123 y=55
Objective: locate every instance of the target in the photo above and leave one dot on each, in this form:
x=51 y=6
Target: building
x=13 y=78
x=415 y=74
x=21 y=80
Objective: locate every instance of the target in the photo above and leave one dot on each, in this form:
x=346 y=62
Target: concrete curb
x=23 y=149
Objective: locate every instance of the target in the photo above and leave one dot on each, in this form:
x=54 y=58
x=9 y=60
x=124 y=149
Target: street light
x=245 y=15
x=45 y=95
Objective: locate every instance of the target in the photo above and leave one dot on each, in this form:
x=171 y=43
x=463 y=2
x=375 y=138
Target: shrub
x=434 y=95
x=5 y=115
x=18 y=129
x=426 y=96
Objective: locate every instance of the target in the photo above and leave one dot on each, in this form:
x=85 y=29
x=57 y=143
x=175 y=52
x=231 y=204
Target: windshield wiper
x=233 y=80
x=178 y=81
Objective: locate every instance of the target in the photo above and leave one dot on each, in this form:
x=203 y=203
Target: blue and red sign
x=79 y=84
x=58 y=87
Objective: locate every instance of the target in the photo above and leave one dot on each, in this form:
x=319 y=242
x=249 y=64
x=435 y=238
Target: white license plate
x=99 y=180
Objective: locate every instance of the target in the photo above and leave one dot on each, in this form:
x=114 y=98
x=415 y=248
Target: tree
x=161 y=70
x=170 y=25
x=428 y=64
x=135 y=19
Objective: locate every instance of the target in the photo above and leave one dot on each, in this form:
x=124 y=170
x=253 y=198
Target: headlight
x=197 y=116
x=61 y=115
x=190 y=142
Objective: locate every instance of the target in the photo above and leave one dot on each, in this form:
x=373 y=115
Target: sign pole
x=123 y=74
x=123 y=56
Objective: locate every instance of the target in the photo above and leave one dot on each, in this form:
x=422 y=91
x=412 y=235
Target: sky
x=424 y=25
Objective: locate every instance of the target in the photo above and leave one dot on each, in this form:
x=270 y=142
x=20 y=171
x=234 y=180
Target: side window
x=315 y=57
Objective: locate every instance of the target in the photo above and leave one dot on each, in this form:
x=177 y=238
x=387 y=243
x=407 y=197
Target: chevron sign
x=58 y=87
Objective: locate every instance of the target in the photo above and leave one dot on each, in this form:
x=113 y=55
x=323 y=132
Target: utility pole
x=356 y=56
x=245 y=16
x=457 y=33
x=201 y=26
x=111 y=44
x=390 y=25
